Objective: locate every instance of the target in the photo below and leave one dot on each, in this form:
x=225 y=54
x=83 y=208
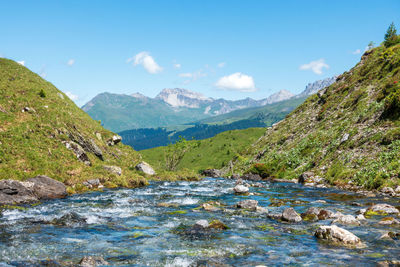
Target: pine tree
x=391 y=37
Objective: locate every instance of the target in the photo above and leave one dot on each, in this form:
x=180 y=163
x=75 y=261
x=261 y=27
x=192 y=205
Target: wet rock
x=92 y=261
x=319 y=201
x=202 y=229
x=337 y=235
x=201 y=224
x=16 y=192
x=290 y=215
x=388 y=263
x=218 y=225
x=261 y=210
x=241 y=189
x=165 y=205
x=382 y=209
x=211 y=206
x=251 y=177
x=92 y=183
x=47 y=188
x=239 y=181
x=259 y=185
x=387 y=236
x=389 y=221
x=305 y=176
x=70 y=219
x=247 y=204
x=214 y=173
x=360 y=217
x=113 y=169
x=397 y=190
x=311 y=214
x=275 y=216
x=235 y=176
x=362 y=211
x=346 y=219
x=79 y=151
x=324 y=214
x=146 y=168
x=114 y=140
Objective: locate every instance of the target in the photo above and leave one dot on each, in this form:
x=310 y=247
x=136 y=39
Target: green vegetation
x=209 y=153
x=391 y=37
x=35 y=119
x=349 y=132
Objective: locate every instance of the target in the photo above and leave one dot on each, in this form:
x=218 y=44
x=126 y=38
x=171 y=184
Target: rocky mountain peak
x=178 y=97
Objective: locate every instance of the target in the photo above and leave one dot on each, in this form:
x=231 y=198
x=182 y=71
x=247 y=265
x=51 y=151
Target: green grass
x=208 y=153
x=363 y=103
x=31 y=142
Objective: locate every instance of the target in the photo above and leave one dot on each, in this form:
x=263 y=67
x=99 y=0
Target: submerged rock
x=247 y=204
x=389 y=221
x=241 y=189
x=337 y=235
x=290 y=215
x=91 y=261
x=70 y=219
x=146 y=168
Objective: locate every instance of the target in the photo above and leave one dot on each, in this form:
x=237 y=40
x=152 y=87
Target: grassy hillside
x=31 y=140
x=349 y=133
x=209 y=153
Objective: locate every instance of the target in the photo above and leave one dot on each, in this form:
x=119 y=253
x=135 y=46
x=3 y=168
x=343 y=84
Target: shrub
x=42 y=94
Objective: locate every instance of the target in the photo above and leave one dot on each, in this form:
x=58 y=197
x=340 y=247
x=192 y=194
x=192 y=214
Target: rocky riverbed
x=213 y=222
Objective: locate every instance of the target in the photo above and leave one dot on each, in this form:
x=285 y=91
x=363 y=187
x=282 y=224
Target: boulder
x=92 y=183
x=383 y=209
x=241 y=189
x=16 y=192
x=47 y=188
x=337 y=235
x=70 y=219
x=201 y=224
x=79 y=151
x=214 y=173
x=389 y=221
x=247 y=204
x=290 y=215
x=87 y=144
x=261 y=210
x=114 y=140
x=397 y=190
x=92 y=261
x=346 y=219
x=305 y=176
x=146 y=168
x=251 y=177
x=389 y=191
x=311 y=214
x=113 y=169
x=325 y=214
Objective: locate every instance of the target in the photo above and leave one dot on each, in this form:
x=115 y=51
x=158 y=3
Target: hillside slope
x=209 y=153
x=347 y=133
x=39 y=122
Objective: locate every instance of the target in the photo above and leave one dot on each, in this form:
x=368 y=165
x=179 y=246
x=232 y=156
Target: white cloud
x=71 y=62
x=221 y=65
x=356 y=52
x=315 y=66
x=72 y=96
x=177 y=65
x=147 y=61
x=22 y=62
x=237 y=82
x=185 y=75
x=192 y=76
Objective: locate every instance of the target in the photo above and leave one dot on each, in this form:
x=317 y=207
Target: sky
x=222 y=49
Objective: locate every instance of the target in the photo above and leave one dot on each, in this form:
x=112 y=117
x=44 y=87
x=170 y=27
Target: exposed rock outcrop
x=214 y=173
x=146 y=168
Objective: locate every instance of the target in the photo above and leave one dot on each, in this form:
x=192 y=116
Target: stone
x=389 y=191
x=305 y=176
x=241 y=189
x=29 y=110
x=201 y=224
x=324 y=214
x=91 y=261
x=209 y=207
x=60 y=95
x=98 y=136
x=261 y=210
x=397 y=190
x=92 y=183
x=389 y=221
x=251 y=177
x=114 y=140
x=360 y=217
x=247 y=204
x=346 y=219
x=387 y=236
x=70 y=219
x=113 y=169
x=16 y=192
x=275 y=216
x=337 y=235
x=218 y=225
x=87 y=144
x=214 y=173
x=383 y=209
x=79 y=152
x=235 y=176
x=47 y=188
x=290 y=215
x=311 y=214
x=146 y=168
x=345 y=137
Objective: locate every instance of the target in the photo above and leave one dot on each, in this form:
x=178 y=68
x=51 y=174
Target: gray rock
x=16 y=192
x=79 y=151
x=397 y=190
x=214 y=173
x=261 y=210
x=337 y=235
x=70 y=219
x=345 y=137
x=92 y=183
x=91 y=261
x=389 y=221
x=240 y=189
x=114 y=140
x=86 y=143
x=146 y=168
x=201 y=224
x=389 y=191
x=305 y=176
x=251 y=177
x=113 y=169
x=47 y=188
x=29 y=110
x=384 y=208
x=360 y=217
x=275 y=216
x=290 y=215
x=247 y=204
x=346 y=219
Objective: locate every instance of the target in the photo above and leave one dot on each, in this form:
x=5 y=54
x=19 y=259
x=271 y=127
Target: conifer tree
x=391 y=37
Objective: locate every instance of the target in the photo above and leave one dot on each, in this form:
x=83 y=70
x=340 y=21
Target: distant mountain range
x=119 y=112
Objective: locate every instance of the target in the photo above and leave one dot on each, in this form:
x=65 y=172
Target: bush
x=261 y=169
x=42 y=94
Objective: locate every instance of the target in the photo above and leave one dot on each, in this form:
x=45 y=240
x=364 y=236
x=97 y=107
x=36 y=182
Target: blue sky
x=230 y=49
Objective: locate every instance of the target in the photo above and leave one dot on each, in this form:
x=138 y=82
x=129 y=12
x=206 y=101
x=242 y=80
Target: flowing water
x=127 y=227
